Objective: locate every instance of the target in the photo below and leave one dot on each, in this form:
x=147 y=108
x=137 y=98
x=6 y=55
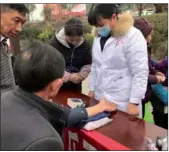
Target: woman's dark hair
x=102 y=10
x=39 y=65
x=74 y=27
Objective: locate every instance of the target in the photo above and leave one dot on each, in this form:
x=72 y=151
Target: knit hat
x=144 y=26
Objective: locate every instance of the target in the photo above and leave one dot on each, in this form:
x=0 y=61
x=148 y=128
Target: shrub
x=46 y=34
x=30 y=32
x=89 y=38
x=160 y=34
x=162 y=51
x=43 y=33
x=87 y=27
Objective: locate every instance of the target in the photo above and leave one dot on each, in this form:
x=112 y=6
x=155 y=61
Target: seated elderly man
x=28 y=120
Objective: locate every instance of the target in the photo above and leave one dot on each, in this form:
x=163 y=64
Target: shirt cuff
x=92 y=89
x=135 y=100
x=85 y=70
x=66 y=77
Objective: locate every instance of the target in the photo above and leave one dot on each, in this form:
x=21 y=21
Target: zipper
x=72 y=56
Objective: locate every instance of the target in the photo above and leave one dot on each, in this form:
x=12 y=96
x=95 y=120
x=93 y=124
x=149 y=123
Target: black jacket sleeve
x=88 y=54
x=53 y=42
x=152 y=79
x=46 y=144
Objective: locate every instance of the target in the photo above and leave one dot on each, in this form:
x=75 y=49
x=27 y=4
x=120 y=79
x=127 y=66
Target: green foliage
x=47 y=34
x=43 y=33
x=87 y=27
x=89 y=38
x=30 y=32
x=162 y=51
x=160 y=33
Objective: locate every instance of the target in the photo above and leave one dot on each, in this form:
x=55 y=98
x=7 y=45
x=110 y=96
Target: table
x=125 y=132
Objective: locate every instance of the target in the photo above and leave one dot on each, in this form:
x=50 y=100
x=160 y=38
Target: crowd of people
x=122 y=75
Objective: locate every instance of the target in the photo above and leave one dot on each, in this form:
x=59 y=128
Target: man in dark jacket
x=28 y=120
x=12 y=18
x=69 y=41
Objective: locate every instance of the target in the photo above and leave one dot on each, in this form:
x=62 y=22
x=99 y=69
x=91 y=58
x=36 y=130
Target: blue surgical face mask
x=104 y=31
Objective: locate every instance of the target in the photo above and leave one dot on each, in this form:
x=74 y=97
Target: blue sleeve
x=161 y=93
x=71 y=117
x=76 y=116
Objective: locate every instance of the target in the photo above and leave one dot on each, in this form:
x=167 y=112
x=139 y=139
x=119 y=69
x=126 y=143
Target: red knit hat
x=144 y=26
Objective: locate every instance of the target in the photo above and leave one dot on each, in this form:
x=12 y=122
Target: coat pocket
x=119 y=83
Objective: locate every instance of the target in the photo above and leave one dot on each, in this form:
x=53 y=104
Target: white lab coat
x=120 y=72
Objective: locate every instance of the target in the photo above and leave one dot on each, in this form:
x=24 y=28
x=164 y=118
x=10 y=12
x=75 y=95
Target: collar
x=50 y=110
x=2 y=38
x=60 y=36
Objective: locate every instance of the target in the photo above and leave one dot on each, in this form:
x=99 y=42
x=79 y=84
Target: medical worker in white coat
x=119 y=69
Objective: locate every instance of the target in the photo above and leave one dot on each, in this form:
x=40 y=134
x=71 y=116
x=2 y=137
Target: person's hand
x=107 y=106
x=161 y=78
x=91 y=94
x=101 y=107
x=160 y=73
x=75 y=78
x=133 y=109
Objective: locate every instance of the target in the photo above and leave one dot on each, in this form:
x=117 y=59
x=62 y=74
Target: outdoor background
x=44 y=19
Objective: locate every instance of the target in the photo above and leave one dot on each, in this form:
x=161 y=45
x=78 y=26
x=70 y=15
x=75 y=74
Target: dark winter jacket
x=75 y=58
x=30 y=123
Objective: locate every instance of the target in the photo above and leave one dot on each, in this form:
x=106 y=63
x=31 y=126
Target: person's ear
x=60 y=82
x=113 y=20
x=54 y=87
x=114 y=16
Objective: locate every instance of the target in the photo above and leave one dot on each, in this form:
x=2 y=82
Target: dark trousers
x=160 y=119
x=143 y=110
